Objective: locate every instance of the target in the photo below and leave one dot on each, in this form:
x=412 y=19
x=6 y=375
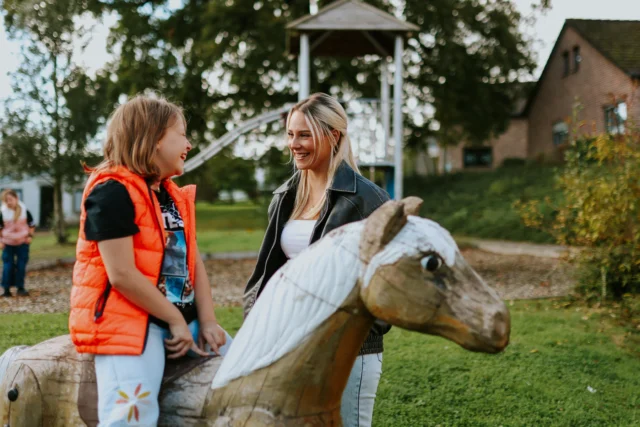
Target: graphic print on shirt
x=174 y=279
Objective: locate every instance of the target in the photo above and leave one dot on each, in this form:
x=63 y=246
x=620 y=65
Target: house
x=37 y=195
x=594 y=64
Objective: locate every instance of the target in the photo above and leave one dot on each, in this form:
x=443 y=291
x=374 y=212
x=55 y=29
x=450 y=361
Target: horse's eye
x=431 y=262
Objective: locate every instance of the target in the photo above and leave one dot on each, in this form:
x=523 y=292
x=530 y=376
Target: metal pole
x=386 y=106
x=303 y=67
x=397 y=118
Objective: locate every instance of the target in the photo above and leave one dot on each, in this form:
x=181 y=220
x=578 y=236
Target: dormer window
x=565 y=63
x=577 y=59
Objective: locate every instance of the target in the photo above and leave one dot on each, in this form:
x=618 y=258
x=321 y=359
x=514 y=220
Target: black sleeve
x=30 y=220
x=1 y=222
x=110 y=212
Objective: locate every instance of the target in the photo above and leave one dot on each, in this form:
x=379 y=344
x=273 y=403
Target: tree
x=277 y=167
x=227 y=60
x=224 y=172
x=54 y=111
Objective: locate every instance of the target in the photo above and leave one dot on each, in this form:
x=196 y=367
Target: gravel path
x=513 y=276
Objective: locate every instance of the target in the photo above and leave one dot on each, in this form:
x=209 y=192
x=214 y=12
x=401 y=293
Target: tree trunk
x=59 y=225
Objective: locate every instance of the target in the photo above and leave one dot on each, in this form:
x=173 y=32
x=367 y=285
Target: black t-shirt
x=111 y=215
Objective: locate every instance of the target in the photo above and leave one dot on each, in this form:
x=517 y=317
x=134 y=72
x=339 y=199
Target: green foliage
x=480 y=204
x=277 y=166
x=557 y=351
x=54 y=111
x=223 y=172
x=599 y=211
x=226 y=60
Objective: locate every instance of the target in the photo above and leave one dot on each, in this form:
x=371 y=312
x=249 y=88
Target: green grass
x=540 y=380
x=220 y=228
x=480 y=204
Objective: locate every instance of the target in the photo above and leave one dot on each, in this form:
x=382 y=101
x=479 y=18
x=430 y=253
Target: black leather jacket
x=350 y=198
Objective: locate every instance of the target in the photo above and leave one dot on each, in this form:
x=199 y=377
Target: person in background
x=16 y=232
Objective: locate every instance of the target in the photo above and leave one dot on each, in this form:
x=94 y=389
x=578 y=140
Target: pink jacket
x=15 y=231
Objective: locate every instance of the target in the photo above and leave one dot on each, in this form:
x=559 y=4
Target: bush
x=599 y=211
x=513 y=162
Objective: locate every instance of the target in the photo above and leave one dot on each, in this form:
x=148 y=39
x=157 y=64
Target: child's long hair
x=18 y=209
x=322 y=114
x=134 y=130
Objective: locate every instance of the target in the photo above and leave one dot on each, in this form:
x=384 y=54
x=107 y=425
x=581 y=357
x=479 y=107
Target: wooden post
x=303 y=67
x=397 y=118
x=385 y=104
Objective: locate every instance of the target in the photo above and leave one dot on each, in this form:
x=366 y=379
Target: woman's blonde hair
x=323 y=114
x=134 y=130
x=18 y=209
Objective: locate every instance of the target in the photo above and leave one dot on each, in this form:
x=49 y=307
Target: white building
x=37 y=194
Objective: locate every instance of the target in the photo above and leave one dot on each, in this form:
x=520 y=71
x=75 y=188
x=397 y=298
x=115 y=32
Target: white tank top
x=295 y=236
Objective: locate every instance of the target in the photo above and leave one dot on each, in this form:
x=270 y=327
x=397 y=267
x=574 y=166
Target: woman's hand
x=181 y=341
x=211 y=333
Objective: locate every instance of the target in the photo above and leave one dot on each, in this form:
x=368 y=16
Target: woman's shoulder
x=370 y=191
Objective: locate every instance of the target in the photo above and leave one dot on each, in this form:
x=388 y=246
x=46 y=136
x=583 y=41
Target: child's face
x=11 y=201
x=172 y=150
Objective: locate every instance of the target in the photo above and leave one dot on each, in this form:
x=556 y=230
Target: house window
x=577 y=59
x=477 y=157
x=560 y=133
x=565 y=63
x=615 y=117
x=77 y=201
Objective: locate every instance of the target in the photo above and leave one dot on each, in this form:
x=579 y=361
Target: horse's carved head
x=416 y=278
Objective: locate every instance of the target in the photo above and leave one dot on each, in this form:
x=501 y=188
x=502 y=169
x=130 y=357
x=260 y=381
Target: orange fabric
x=122 y=328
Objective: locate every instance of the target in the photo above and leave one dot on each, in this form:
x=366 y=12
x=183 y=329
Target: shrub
x=599 y=211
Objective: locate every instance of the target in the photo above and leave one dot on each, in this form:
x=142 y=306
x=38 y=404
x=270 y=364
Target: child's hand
x=211 y=333
x=181 y=341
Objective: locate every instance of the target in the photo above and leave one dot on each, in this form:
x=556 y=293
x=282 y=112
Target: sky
x=545 y=30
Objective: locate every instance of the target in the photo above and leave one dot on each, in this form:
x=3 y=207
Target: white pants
x=359 y=396
x=128 y=386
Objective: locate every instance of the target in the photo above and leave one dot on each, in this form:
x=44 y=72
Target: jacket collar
x=344 y=180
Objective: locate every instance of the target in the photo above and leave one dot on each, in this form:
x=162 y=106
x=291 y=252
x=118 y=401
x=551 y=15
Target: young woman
x=140 y=288
x=16 y=233
x=325 y=193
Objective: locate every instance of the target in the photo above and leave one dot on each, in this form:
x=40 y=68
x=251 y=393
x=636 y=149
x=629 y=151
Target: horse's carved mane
x=295 y=301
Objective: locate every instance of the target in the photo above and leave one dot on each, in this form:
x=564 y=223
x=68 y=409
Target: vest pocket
x=101 y=303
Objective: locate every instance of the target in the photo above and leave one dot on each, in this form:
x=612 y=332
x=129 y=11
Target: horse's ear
x=381 y=227
x=412 y=205
x=383 y=224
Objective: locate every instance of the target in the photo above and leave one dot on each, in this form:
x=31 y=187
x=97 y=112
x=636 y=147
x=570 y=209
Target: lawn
x=220 y=228
x=565 y=366
x=480 y=204
x=468 y=204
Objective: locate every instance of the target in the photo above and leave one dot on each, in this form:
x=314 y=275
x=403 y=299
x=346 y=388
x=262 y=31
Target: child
x=137 y=230
x=16 y=231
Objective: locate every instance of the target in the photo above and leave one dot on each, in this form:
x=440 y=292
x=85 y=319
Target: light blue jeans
x=128 y=386
x=359 y=396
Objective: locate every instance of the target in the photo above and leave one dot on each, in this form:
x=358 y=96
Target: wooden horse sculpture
x=290 y=361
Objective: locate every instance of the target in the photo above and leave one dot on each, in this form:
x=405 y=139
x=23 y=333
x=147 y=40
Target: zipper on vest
x=101 y=303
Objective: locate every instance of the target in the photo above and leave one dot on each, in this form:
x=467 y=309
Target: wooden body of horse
x=290 y=362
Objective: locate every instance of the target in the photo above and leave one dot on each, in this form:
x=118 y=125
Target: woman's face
x=300 y=142
x=172 y=150
x=11 y=202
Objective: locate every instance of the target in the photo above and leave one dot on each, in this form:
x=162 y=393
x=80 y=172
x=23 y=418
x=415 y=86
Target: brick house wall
x=511 y=144
x=593 y=86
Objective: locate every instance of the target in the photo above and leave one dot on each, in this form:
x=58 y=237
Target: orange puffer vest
x=101 y=320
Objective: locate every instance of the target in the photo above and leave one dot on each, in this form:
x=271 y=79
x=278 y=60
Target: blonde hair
x=18 y=209
x=323 y=114
x=134 y=129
